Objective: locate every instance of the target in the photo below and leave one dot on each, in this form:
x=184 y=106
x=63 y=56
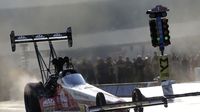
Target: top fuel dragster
x=63 y=89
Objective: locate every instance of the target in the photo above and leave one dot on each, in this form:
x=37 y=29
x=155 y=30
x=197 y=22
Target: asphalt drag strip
x=12 y=106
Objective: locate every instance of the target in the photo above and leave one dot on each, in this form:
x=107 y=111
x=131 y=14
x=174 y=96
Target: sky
x=94 y=22
x=7 y=4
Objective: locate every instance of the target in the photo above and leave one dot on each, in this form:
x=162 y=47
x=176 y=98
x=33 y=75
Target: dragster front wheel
x=137 y=96
x=31 y=97
x=100 y=99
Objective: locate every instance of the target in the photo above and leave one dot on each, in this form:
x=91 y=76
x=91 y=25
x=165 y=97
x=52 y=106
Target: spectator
x=110 y=70
x=120 y=69
x=128 y=70
x=101 y=71
x=87 y=70
x=148 y=74
x=139 y=68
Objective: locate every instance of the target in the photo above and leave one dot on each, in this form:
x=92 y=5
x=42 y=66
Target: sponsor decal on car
x=61 y=101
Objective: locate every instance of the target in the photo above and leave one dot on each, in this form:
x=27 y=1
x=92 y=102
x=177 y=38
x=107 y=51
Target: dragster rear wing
x=15 y=39
x=44 y=68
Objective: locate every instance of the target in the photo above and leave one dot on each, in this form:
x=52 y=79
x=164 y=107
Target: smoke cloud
x=94 y=23
x=19 y=79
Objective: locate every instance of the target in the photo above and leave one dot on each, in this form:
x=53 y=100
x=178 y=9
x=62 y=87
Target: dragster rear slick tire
x=31 y=96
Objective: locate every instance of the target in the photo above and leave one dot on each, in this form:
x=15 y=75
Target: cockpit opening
x=74 y=79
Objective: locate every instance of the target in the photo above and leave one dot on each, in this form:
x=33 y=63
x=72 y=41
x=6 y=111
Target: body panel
x=72 y=94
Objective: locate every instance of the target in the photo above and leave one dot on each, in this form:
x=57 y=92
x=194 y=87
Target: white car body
x=73 y=93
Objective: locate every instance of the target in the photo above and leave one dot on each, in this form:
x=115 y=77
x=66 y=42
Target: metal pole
x=52 y=54
x=52 y=50
x=161 y=42
x=39 y=61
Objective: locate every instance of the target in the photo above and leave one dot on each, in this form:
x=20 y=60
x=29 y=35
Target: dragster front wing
x=127 y=105
x=139 y=101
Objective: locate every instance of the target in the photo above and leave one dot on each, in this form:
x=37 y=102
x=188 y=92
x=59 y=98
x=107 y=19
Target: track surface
x=12 y=106
x=190 y=104
x=187 y=104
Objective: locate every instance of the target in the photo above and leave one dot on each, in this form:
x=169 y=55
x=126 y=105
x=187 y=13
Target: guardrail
x=125 y=89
